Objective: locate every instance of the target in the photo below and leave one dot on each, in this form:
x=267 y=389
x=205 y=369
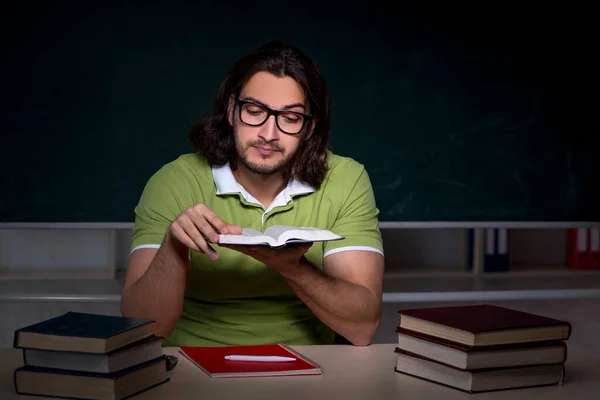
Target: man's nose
x=269 y=130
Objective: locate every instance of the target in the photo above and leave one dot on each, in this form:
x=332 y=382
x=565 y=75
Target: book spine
x=583 y=248
x=16 y=340
x=473 y=245
x=496 y=250
x=469 y=248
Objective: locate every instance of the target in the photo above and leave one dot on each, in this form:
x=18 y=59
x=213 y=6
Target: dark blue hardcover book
x=470 y=249
x=84 y=332
x=496 y=255
x=496 y=263
x=135 y=353
x=60 y=383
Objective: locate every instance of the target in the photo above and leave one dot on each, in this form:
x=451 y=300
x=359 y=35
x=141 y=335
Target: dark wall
x=466 y=117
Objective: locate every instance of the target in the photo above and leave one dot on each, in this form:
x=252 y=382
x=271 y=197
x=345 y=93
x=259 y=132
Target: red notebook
x=212 y=361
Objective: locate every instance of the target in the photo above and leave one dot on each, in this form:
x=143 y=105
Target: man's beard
x=259 y=168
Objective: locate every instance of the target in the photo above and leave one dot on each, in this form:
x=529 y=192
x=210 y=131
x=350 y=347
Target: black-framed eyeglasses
x=255 y=114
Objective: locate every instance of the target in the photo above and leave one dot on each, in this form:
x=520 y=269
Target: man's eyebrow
x=286 y=107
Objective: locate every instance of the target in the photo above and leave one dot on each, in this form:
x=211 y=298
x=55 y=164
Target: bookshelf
x=424 y=260
x=425 y=264
x=441 y=250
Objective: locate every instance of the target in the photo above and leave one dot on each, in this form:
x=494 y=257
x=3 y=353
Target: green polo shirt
x=237 y=300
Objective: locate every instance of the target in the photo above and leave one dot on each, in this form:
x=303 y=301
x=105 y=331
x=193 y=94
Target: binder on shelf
x=496 y=250
x=469 y=249
x=583 y=248
x=473 y=245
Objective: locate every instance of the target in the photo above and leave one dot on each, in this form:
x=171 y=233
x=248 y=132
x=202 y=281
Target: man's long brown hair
x=213 y=136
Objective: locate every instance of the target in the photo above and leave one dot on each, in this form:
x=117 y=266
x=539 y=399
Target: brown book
x=480 y=380
x=483 y=325
x=468 y=357
x=64 y=383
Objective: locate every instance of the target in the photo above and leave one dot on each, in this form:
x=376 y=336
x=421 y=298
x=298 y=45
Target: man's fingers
x=183 y=237
x=210 y=251
x=247 y=250
x=200 y=219
x=228 y=229
x=236 y=247
x=192 y=231
x=299 y=247
x=219 y=225
x=198 y=226
x=307 y=246
x=197 y=237
x=234 y=229
x=207 y=230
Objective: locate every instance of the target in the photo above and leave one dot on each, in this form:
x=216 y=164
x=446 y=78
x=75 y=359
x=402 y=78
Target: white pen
x=236 y=357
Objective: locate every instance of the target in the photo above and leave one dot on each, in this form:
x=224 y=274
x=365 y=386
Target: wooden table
x=349 y=373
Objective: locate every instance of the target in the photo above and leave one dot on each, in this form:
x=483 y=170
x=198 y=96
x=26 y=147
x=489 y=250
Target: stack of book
x=89 y=356
x=479 y=348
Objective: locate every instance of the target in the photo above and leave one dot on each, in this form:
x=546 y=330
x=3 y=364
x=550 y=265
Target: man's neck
x=263 y=188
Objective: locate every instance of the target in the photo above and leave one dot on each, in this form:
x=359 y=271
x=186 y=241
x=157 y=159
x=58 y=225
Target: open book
x=279 y=236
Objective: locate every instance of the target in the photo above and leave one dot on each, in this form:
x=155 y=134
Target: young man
x=262 y=160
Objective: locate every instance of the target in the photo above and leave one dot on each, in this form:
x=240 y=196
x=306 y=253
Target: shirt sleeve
x=159 y=205
x=358 y=219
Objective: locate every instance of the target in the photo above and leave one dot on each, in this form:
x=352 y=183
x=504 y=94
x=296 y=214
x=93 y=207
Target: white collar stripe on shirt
x=226 y=184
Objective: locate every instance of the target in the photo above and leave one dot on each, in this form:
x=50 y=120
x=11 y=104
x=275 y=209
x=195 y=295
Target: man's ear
x=230 y=109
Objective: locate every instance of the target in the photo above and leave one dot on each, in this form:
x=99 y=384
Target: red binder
x=583 y=248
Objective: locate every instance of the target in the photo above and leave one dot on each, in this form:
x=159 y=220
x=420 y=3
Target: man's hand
x=197 y=226
x=345 y=295
x=280 y=259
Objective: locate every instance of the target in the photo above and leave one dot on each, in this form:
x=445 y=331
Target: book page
x=279 y=235
x=251 y=232
x=304 y=235
x=299 y=234
x=276 y=231
x=248 y=236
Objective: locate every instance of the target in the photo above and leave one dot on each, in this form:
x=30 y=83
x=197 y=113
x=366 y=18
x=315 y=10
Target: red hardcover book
x=479 y=380
x=211 y=359
x=483 y=325
x=468 y=357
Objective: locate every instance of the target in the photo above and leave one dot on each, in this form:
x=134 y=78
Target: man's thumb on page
x=234 y=229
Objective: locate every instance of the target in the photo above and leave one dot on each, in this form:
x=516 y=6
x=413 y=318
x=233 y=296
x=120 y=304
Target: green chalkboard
x=456 y=117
